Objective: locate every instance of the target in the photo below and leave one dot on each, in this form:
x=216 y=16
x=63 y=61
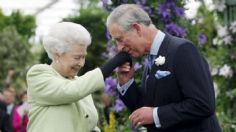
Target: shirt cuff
x=156 y=118
x=122 y=89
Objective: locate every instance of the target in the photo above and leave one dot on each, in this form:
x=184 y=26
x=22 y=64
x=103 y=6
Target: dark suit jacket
x=185 y=98
x=5 y=125
x=3 y=106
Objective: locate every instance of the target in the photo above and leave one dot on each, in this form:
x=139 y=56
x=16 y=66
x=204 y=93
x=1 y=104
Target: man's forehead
x=115 y=29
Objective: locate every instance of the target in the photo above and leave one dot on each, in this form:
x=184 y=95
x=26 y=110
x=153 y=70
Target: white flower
x=233 y=27
x=222 y=31
x=227 y=39
x=220 y=6
x=217 y=41
x=160 y=60
x=226 y=71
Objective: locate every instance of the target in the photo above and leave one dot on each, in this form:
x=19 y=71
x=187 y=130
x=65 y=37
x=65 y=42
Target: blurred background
x=209 y=24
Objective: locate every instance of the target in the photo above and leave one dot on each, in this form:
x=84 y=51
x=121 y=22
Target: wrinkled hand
x=124 y=73
x=142 y=116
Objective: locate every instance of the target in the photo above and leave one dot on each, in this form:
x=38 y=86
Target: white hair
x=63 y=35
x=127 y=14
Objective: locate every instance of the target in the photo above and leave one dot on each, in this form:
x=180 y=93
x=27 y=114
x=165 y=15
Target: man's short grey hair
x=127 y=14
x=62 y=36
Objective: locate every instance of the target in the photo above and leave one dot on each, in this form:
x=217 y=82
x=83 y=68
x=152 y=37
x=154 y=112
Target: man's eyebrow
x=116 y=38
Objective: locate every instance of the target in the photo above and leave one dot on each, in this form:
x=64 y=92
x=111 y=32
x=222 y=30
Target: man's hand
x=142 y=116
x=124 y=73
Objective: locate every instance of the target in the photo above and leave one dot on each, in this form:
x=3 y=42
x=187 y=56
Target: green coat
x=58 y=104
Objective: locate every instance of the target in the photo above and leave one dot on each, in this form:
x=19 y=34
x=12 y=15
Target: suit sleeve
x=47 y=89
x=194 y=80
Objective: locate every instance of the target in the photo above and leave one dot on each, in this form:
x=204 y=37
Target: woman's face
x=72 y=61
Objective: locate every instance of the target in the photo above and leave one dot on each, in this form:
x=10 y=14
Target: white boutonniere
x=160 y=60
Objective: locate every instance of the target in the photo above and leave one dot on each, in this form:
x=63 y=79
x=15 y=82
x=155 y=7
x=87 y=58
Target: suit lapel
x=151 y=83
x=163 y=51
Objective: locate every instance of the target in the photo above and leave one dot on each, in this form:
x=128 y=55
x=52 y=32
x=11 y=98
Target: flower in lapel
x=160 y=60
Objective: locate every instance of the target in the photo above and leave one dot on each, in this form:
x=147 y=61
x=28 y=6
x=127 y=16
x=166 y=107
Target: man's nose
x=120 y=47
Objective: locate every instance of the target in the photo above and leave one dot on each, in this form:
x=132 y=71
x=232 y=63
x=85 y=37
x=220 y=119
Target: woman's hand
x=118 y=60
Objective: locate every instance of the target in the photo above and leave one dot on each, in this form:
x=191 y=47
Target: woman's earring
x=57 y=61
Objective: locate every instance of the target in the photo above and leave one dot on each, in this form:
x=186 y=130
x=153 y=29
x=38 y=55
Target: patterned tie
x=151 y=60
x=147 y=70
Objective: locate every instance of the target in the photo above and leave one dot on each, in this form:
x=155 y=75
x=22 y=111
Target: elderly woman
x=59 y=100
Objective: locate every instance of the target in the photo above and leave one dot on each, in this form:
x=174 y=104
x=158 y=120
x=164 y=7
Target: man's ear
x=137 y=27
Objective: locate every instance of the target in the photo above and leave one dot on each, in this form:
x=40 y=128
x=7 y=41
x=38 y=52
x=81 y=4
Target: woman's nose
x=81 y=62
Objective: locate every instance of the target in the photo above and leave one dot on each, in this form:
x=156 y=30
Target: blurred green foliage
x=218 y=55
x=15 y=49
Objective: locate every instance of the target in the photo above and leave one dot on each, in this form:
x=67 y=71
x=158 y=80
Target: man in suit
x=177 y=93
x=5 y=125
x=3 y=106
x=9 y=94
x=4 y=122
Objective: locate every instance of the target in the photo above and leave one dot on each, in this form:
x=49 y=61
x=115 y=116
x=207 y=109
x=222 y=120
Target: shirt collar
x=9 y=108
x=157 y=42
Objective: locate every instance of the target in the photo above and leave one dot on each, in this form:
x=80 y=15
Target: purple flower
x=110 y=86
x=119 y=106
x=179 y=12
x=111 y=51
x=164 y=11
x=195 y=21
x=171 y=3
x=146 y=62
x=175 y=30
x=137 y=66
x=108 y=36
x=104 y=3
x=143 y=2
x=125 y=1
x=147 y=9
x=202 y=38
